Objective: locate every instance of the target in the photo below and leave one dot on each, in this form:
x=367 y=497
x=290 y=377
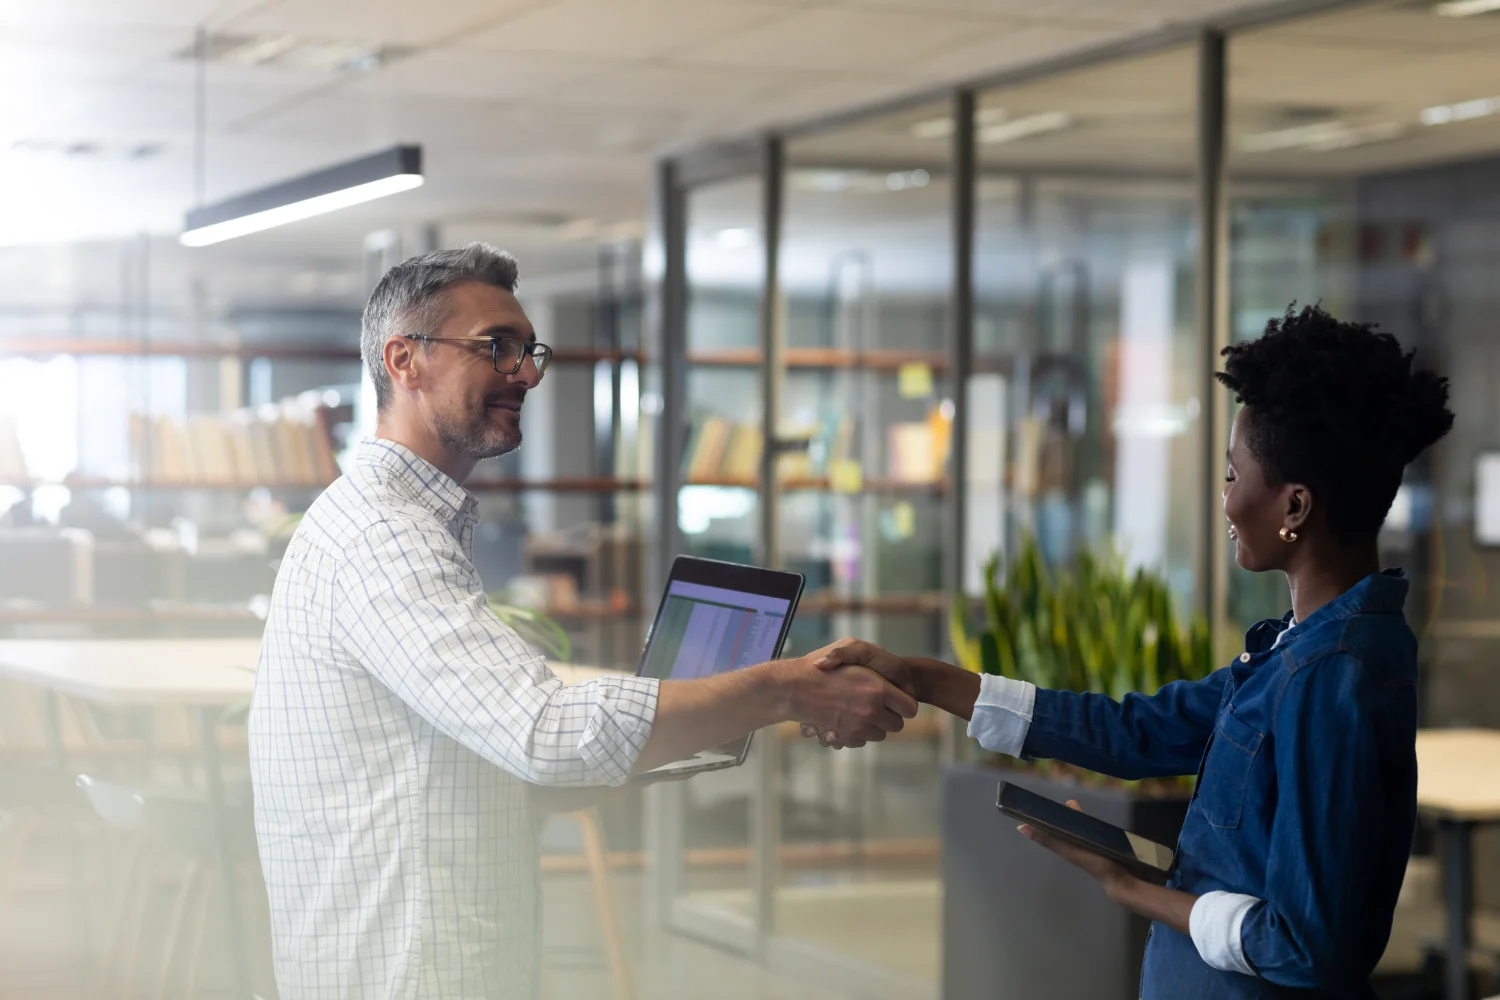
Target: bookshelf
x=39 y=347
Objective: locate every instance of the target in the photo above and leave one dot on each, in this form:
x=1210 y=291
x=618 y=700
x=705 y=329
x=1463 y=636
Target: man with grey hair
x=398 y=727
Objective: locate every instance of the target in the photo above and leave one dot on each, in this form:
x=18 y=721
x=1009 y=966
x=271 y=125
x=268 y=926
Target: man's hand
x=846 y=653
x=844 y=704
x=856 y=652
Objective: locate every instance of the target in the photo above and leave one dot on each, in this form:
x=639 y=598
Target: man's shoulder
x=355 y=507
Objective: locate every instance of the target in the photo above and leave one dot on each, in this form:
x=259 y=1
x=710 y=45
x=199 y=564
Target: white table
x=1458 y=786
x=207 y=675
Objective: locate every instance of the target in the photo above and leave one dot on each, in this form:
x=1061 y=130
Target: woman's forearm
x=953 y=689
x=1171 y=907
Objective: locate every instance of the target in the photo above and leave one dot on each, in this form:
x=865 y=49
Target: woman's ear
x=1299 y=506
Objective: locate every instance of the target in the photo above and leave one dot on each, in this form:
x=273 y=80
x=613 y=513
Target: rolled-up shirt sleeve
x=1002 y=714
x=1215 y=922
x=412 y=611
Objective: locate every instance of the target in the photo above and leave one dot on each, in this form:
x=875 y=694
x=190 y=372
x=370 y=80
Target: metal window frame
x=762 y=154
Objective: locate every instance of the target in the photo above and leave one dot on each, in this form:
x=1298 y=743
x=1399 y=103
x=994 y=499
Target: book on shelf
x=704 y=456
x=12 y=458
x=742 y=454
x=237 y=449
x=919 y=448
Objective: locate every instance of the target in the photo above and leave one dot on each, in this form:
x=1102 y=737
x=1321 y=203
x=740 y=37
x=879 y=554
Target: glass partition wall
x=993 y=317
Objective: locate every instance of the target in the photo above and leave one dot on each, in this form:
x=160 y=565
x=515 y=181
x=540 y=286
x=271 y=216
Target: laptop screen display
x=703 y=630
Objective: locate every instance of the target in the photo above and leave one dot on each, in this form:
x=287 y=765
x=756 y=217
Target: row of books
x=236 y=449
x=719 y=449
x=12 y=459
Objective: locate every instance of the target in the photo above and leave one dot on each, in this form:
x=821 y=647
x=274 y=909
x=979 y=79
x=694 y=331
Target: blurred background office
x=966 y=267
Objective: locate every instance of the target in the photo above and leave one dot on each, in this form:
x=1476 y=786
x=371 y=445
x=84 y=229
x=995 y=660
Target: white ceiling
x=539 y=118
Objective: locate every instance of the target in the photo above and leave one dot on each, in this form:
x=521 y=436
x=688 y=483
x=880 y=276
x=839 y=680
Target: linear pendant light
x=388 y=172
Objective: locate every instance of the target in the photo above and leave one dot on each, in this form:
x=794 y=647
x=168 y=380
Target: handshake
x=850 y=692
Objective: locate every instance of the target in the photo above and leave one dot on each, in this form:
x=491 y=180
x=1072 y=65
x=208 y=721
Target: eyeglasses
x=506 y=353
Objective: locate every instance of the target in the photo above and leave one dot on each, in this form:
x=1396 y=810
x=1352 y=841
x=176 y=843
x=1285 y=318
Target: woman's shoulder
x=1380 y=647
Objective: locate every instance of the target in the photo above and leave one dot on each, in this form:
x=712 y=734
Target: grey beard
x=477 y=442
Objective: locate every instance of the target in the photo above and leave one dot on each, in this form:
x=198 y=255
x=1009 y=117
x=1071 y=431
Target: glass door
x=708 y=866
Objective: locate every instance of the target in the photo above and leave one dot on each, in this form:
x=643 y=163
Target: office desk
x=206 y=675
x=1458 y=787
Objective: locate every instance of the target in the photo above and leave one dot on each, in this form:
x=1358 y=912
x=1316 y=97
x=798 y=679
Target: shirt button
x=1244 y=657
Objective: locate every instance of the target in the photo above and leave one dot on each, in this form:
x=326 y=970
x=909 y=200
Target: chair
x=160 y=826
x=597 y=861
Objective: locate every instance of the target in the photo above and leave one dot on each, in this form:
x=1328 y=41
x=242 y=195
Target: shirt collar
x=429 y=485
x=1381 y=593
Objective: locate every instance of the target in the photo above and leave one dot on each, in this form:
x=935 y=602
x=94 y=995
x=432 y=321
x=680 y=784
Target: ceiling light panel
x=294 y=52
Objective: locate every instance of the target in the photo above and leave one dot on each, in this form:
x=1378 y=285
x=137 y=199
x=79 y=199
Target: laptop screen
x=703 y=630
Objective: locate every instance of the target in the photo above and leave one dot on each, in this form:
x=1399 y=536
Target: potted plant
x=1017 y=920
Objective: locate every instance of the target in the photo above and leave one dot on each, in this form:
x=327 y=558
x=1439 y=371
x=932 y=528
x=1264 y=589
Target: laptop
x=715 y=617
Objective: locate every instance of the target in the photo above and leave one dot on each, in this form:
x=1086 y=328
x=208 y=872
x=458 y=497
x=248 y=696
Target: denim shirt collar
x=1378 y=593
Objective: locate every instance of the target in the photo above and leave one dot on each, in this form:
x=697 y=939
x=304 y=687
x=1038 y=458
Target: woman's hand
x=1154 y=902
x=1110 y=875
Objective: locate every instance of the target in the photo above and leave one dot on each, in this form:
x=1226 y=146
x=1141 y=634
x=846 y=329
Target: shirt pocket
x=1226 y=772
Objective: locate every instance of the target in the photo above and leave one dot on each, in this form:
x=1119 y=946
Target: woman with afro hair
x=1296 y=840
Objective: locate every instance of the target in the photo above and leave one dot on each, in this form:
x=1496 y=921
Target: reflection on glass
x=1086 y=391
x=1379 y=198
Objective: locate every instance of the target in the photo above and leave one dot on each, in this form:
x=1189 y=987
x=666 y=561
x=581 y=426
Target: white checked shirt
x=395 y=726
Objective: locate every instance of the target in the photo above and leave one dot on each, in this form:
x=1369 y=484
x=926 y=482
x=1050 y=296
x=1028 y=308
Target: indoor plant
x=1016 y=918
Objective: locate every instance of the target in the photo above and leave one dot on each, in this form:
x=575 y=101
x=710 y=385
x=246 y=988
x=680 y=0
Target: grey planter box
x=1020 y=922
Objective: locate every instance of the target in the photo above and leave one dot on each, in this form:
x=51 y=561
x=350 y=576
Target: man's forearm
x=693 y=715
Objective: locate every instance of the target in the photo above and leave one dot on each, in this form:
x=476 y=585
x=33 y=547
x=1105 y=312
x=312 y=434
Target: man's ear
x=1299 y=507
x=402 y=363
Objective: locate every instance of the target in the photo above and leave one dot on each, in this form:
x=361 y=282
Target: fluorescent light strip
x=1020 y=128
x=299 y=210
x=1465 y=8
x=1444 y=114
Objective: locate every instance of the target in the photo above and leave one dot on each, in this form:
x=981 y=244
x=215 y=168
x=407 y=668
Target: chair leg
x=190 y=875
x=133 y=919
x=208 y=882
x=16 y=839
x=604 y=902
x=123 y=862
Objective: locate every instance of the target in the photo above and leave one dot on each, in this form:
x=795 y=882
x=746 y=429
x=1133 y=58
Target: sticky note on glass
x=914 y=380
x=845 y=475
x=903 y=520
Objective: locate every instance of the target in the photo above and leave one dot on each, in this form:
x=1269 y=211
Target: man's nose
x=527 y=374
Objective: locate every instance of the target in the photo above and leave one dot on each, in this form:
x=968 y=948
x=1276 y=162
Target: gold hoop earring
x=1288 y=535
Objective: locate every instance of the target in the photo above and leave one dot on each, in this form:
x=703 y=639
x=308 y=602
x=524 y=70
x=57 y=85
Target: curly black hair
x=1336 y=406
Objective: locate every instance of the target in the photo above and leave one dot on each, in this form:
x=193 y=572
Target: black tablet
x=1144 y=858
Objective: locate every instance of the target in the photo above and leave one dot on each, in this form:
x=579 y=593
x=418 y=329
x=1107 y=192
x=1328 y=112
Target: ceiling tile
x=999 y=48
x=837 y=40
x=623 y=29
x=451 y=72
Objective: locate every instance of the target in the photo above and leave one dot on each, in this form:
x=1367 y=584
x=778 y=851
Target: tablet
x=1144 y=858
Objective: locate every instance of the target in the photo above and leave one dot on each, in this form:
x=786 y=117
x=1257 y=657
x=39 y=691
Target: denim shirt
x=1305 y=753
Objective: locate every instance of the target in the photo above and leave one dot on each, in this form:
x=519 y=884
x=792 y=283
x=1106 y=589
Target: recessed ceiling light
x=1320 y=137
x=1465 y=8
x=1012 y=129
x=900 y=180
x=939 y=128
x=1443 y=114
x=283 y=51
